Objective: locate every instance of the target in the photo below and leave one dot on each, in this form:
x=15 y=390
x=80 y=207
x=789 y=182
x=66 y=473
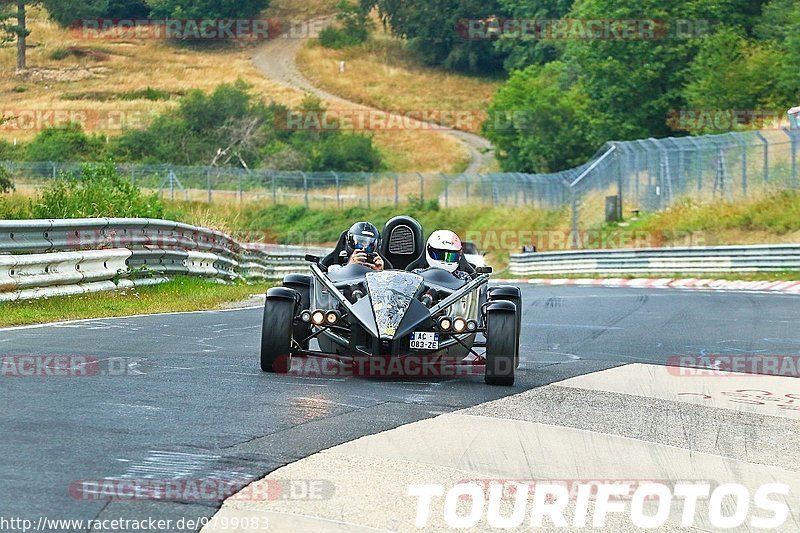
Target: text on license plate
x=424 y=340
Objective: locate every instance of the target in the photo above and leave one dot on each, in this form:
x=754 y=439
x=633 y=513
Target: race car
x=356 y=314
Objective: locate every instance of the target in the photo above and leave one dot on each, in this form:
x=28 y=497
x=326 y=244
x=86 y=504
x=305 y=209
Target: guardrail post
x=421 y=187
x=305 y=189
x=369 y=191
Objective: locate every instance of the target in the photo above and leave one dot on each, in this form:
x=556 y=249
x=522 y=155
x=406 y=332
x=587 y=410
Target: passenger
x=444 y=250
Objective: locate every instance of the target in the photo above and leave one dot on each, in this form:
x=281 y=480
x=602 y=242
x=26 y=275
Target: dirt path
x=277 y=59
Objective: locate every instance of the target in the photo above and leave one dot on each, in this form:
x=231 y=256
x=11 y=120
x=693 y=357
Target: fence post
x=793 y=139
x=208 y=182
x=421 y=187
x=396 y=189
x=305 y=189
x=574 y=201
x=444 y=177
x=766 y=156
x=744 y=168
x=369 y=191
x=618 y=158
x=338 y=196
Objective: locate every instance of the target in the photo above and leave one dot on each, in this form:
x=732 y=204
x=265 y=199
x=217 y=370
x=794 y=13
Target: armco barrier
x=41 y=258
x=717 y=259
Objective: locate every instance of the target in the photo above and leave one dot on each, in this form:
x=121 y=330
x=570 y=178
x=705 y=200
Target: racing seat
x=403 y=241
x=333 y=257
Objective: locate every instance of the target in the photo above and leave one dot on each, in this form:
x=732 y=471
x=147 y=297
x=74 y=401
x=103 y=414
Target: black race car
x=411 y=323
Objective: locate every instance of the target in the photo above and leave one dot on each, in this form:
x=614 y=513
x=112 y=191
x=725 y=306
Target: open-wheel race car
x=429 y=319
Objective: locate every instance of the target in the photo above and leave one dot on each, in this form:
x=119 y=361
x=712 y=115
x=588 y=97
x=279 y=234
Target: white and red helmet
x=443 y=250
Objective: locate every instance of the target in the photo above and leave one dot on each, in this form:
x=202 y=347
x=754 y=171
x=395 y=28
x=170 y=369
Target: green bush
x=98 y=191
x=6 y=183
x=355 y=26
x=65 y=143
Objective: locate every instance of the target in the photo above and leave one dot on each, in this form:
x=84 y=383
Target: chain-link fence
x=624 y=177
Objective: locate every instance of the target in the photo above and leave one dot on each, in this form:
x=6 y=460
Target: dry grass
x=90 y=85
x=301 y=9
x=131 y=65
x=381 y=73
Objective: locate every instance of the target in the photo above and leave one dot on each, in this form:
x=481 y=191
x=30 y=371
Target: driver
x=444 y=250
x=361 y=246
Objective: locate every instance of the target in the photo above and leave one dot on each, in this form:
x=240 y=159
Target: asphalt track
x=194 y=404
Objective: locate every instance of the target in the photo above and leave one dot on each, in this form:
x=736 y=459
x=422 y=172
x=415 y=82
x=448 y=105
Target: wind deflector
x=390 y=293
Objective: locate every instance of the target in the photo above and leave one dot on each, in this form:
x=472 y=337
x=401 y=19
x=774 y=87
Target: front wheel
x=514 y=295
x=501 y=343
x=276 y=335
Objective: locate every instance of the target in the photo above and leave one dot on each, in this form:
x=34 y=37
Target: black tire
x=516 y=299
x=302 y=284
x=501 y=344
x=276 y=335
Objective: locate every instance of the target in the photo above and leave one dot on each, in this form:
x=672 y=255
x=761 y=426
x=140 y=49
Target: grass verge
x=179 y=294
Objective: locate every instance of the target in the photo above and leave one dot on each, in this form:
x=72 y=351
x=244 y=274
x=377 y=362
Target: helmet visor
x=364 y=242
x=446 y=256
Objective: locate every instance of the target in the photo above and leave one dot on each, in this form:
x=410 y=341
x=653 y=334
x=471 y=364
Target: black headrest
x=402 y=241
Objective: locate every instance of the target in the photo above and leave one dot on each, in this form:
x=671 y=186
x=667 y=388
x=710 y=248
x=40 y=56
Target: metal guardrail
x=716 y=259
x=42 y=258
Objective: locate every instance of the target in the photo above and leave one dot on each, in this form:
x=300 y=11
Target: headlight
x=472 y=325
x=318 y=317
x=332 y=317
x=305 y=316
x=445 y=323
x=459 y=325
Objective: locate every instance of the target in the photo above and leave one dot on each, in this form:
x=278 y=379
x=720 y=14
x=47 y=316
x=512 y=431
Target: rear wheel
x=501 y=343
x=276 y=334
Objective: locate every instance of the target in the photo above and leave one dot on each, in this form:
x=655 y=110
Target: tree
x=523 y=52
x=730 y=72
x=13 y=25
x=539 y=121
x=436 y=31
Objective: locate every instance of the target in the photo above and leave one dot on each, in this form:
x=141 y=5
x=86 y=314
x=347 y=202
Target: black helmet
x=363 y=236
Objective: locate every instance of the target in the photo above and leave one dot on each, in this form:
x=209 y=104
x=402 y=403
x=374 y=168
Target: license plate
x=424 y=340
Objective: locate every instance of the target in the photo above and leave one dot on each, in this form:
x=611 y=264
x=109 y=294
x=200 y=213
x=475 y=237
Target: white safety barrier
x=43 y=258
x=709 y=260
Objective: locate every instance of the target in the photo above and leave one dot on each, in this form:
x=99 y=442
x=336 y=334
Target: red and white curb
x=788 y=287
